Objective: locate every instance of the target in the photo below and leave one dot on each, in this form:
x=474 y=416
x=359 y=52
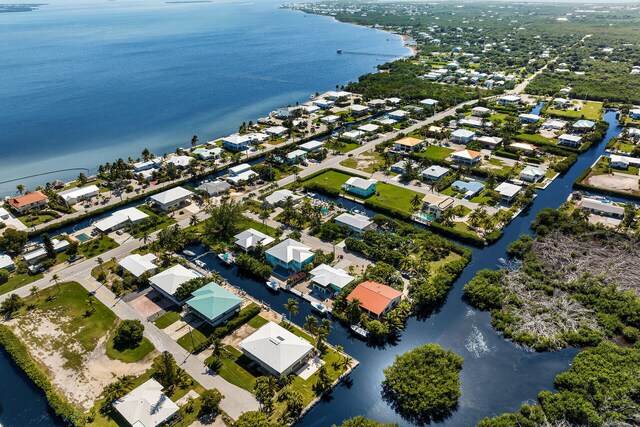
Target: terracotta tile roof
x=374 y=297
x=27 y=199
x=409 y=141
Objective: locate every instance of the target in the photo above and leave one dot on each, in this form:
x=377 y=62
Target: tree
x=128 y=334
x=254 y=419
x=295 y=404
x=224 y=219
x=291 y=306
x=13 y=240
x=11 y=305
x=416 y=202
x=361 y=421
x=115 y=391
x=21 y=188
x=48 y=246
x=194 y=141
x=4 y=276
x=423 y=385
x=167 y=371
x=34 y=291
x=210 y=402
x=324 y=380
x=55 y=279
x=311 y=324
x=91 y=300
x=265 y=390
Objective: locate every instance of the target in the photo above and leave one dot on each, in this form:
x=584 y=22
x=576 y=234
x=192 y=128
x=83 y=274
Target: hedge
x=23 y=359
x=243 y=317
x=506 y=154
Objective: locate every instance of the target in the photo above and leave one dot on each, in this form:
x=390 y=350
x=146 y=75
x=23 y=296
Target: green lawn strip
x=436 y=152
x=163 y=222
x=257 y=321
x=97 y=246
x=129 y=355
x=17 y=281
x=590 y=110
x=194 y=338
x=436 y=265
x=168 y=319
x=257 y=225
x=534 y=138
x=395 y=197
x=330 y=178
x=235 y=369
x=106 y=267
x=345 y=147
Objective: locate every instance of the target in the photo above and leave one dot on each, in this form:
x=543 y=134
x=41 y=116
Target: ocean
x=84 y=83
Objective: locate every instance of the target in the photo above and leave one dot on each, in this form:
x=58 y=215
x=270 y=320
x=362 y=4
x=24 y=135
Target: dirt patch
x=238 y=335
x=628 y=184
x=150 y=303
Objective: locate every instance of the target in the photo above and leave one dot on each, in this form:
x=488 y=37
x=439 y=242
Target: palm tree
x=21 y=188
x=145 y=236
x=100 y=262
x=35 y=291
x=193 y=220
x=55 y=278
x=416 y=202
x=194 y=140
x=91 y=300
x=311 y=324
x=292 y=307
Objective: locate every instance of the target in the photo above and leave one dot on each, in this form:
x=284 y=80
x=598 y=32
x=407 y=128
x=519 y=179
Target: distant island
x=189 y=1
x=27 y=7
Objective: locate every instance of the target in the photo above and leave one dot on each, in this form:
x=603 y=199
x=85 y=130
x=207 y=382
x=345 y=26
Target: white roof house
x=289 y=254
x=74 y=195
x=275 y=130
x=554 y=124
x=296 y=155
x=358 y=108
x=312 y=145
x=119 y=218
x=480 y=111
x=172 y=198
x=333 y=95
x=508 y=191
x=280 y=196
x=398 y=114
x=602 y=208
x=137 y=264
x=215 y=187
x=251 y=237
x=356 y=222
x=181 y=162
x=329 y=119
x=434 y=173
x=353 y=134
x=245 y=176
x=569 y=139
x=38 y=254
x=277 y=350
x=6 y=262
x=146 y=406
x=429 y=102
x=169 y=280
x=360 y=183
x=235 y=170
x=330 y=278
x=368 y=128
x=532 y=174
x=235 y=139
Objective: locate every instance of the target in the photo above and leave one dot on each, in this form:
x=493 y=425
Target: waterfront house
x=489 y=142
x=353 y=135
x=172 y=199
x=6 y=262
x=119 y=219
x=289 y=254
x=336 y=95
x=330 y=120
x=508 y=191
x=524 y=147
x=408 y=144
x=257 y=137
x=398 y=115
x=356 y=222
x=168 y=281
x=310 y=109
x=213 y=304
x=248 y=239
x=429 y=102
x=207 y=153
x=236 y=142
x=277 y=351
x=74 y=195
x=387 y=121
x=462 y=136
x=283 y=113
x=570 y=140
x=602 y=208
x=36 y=255
x=434 y=205
x=633 y=133
x=296 y=156
x=138 y=265
x=312 y=146
x=634 y=113
x=215 y=188
x=398 y=167
x=238 y=169
x=528 y=118
x=147 y=165
x=468 y=188
x=242 y=178
x=33 y=200
x=466 y=157
x=509 y=100
x=146 y=405
x=554 y=124
x=472 y=122
x=278 y=197
x=323 y=103
x=369 y=128
x=276 y=131
x=376 y=103
x=360 y=186
x=328 y=279
x=180 y=162
x=358 y=110
x=434 y=173
x=375 y=298
x=618 y=162
x=480 y=111
x=532 y=174
x=583 y=125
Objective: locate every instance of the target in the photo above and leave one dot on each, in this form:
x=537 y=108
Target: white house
x=289 y=254
x=358 y=110
x=119 y=219
x=360 y=186
x=330 y=120
x=490 y=142
x=257 y=137
x=276 y=130
x=462 y=136
x=280 y=196
x=238 y=169
x=172 y=199
x=570 y=140
x=312 y=146
x=180 y=162
x=434 y=205
x=146 y=405
x=36 y=255
x=398 y=115
x=328 y=279
x=598 y=207
x=532 y=174
x=429 y=102
x=6 y=262
x=634 y=113
x=623 y=162
x=335 y=95
x=77 y=194
x=509 y=100
x=242 y=178
x=214 y=188
x=508 y=191
x=434 y=173
x=236 y=142
x=323 y=103
x=146 y=165
x=356 y=222
x=480 y=111
x=168 y=281
x=277 y=350
x=137 y=264
x=296 y=156
x=528 y=118
x=554 y=124
x=523 y=146
x=369 y=128
x=353 y=135
x=249 y=238
x=393 y=101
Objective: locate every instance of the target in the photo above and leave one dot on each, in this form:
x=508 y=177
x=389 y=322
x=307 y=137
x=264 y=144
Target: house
x=296 y=156
x=335 y=95
x=462 y=136
x=167 y=282
x=238 y=169
x=276 y=130
x=375 y=298
x=434 y=173
x=634 y=113
x=508 y=191
x=257 y=137
x=360 y=186
x=278 y=197
x=28 y=201
x=312 y=146
x=434 y=205
x=398 y=115
x=172 y=199
x=560 y=101
x=398 y=167
x=429 y=102
x=147 y=165
x=311 y=108
x=6 y=262
x=236 y=142
x=469 y=188
x=329 y=120
x=146 y=405
x=138 y=265
x=584 y=125
x=408 y=144
x=207 y=153
x=524 y=147
x=466 y=157
x=119 y=219
x=289 y=254
x=249 y=238
x=356 y=222
x=532 y=174
x=323 y=103
x=276 y=350
x=387 y=121
x=480 y=111
x=509 y=100
x=633 y=133
x=328 y=279
x=570 y=140
x=242 y=178
x=393 y=101
x=74 y=195
x=215 y=188
x=528 y=118
x=623 y=162
x=353 y=135
x=490 y=142
x=554 y=124
x=369 y=128
x=180 y=162
x=358 y=110
x=36 y=255
x=376 y=103
x=602 y=208
x=213 y=304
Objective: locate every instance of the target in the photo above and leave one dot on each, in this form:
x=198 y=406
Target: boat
x=272 y=286
x=188 y=253
x=200 y=264
x=360 y=331
x=227 y=258
x=321 y=309
x=339 y=51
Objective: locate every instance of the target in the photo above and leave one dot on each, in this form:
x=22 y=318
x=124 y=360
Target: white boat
x=272 y=286
x=321 y=309
x=227 y=258
x=200 y=264
x=360 y=331
x=188 y=253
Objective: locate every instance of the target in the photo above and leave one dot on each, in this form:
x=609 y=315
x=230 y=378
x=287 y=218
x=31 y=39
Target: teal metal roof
x=212 y=301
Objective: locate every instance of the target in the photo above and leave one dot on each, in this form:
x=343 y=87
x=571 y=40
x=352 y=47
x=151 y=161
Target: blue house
x=289 y=254
x=360 y=186
x=214 y=304
x=469 y=188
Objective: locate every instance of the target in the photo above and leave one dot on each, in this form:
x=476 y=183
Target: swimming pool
x=83 y=237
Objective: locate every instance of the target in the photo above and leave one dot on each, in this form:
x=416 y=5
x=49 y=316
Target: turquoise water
x=86 y=82
x=82 y=237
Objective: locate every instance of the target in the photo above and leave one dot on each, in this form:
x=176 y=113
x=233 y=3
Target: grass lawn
x=330 y=178
x=168 y=319
x=483 y=197
x=436 y=152
x=498 y=116
x=534 y=138
x=107 y=266
x=33 y=220
x=129 y=355
x=276 y=141
x=97 y=246
x=258 y=225
x=18 y=281
x=195 y=337
x=257 y=321
x=624 y=146
x=395 y=197
x=436 y=265
x=591 y=110
x=235 y=369
x=344 y=147
x=156 y=222
x=374 y=159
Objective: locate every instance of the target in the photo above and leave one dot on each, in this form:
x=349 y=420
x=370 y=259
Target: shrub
x=253 y=266
x=128 y=334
